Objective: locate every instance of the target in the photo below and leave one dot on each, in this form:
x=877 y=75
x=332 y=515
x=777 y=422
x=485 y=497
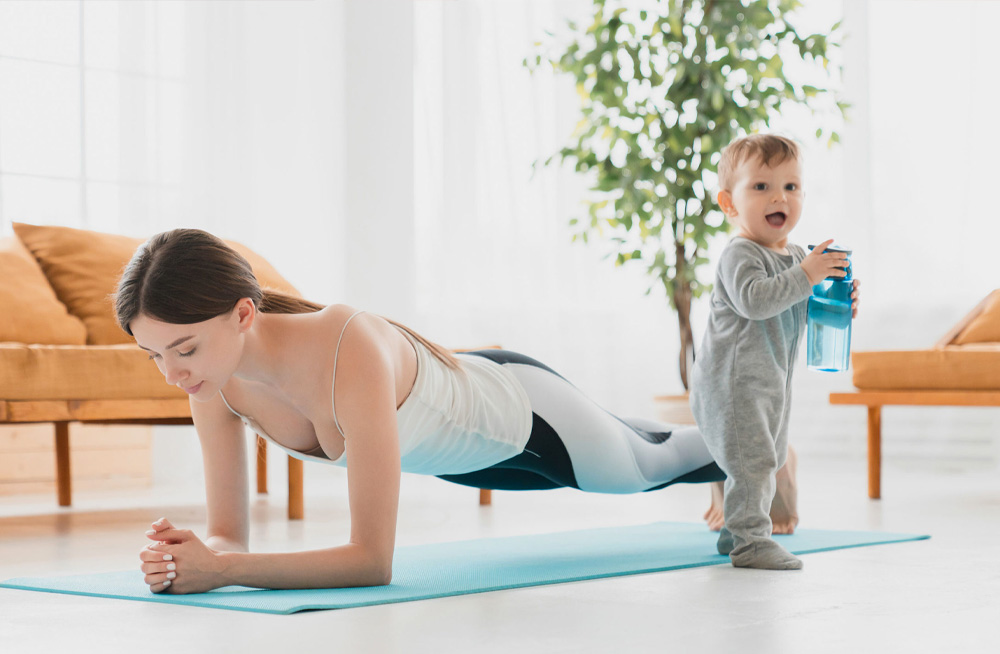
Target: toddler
x=741 y=382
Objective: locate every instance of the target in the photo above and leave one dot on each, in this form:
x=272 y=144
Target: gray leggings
x=577 y=444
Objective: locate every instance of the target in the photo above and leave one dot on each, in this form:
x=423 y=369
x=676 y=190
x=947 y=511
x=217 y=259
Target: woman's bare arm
x=366 y=410
x=224 y=454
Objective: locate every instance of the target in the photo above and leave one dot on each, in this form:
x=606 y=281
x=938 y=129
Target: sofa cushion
x=29 y=309
x=985 y=327
x=80 y=372
x=84 y=267
x=965 y=367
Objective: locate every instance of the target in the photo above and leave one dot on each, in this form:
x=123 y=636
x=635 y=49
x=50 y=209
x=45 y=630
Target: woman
x=353 y=389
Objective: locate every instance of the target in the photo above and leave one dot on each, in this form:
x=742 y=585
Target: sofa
x=64 y=359
x=961 y=369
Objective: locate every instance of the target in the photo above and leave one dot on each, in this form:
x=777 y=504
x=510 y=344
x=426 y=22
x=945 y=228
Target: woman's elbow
x=382 y=576
x=380 y=571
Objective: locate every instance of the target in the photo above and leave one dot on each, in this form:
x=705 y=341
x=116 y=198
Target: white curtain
x=495 y=263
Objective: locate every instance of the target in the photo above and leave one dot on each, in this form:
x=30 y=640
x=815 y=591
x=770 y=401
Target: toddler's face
x=765 y=202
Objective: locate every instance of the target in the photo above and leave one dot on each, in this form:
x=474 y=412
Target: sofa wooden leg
x=296 y=508
x=63 y=481
x=875 y=452
x=485 y=497
x=261 y=465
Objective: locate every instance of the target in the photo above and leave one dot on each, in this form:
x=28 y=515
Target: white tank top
x=452 y=422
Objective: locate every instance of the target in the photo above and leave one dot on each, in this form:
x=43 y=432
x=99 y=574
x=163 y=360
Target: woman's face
x=198 y=358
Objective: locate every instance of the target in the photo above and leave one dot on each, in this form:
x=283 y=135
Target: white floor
x=941 y=595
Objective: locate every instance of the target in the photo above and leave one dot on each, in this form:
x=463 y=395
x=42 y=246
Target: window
x=90 y=109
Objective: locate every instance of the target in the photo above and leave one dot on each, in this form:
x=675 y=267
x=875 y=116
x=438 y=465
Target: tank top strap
x=333 y=382
x=229 y=406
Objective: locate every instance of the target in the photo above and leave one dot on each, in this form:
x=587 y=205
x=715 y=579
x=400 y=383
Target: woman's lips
x=194 y=389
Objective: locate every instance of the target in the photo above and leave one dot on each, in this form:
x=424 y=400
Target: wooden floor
x=939 y=595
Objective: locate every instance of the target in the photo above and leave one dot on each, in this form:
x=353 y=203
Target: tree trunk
x=682 y=301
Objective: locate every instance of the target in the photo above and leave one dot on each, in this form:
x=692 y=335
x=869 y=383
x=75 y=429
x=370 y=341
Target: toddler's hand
x=818 y=266
x=854 y=297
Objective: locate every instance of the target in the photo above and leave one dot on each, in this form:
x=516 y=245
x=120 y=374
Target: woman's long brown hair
x=186 y=276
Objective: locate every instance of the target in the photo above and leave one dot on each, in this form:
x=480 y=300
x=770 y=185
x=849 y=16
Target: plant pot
x=674 y=409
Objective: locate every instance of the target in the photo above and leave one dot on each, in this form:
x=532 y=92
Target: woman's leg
x=544 y=464
x=576 y=443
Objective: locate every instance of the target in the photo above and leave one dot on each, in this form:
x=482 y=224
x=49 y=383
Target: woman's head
x=189 y=283
x=183 y=276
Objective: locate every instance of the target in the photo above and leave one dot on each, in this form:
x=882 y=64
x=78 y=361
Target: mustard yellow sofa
x=961 y=369
x=63 y=358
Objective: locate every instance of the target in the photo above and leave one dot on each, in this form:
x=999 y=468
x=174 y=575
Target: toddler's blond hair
x=769 y=148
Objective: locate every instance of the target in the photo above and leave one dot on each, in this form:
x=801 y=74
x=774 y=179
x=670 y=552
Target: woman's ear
x=725 y=200
x=245 y=311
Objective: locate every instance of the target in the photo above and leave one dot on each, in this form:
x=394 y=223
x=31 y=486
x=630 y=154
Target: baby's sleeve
x=754 y=294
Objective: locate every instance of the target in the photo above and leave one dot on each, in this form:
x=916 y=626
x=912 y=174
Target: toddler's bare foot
x=714 y=516
x=784 y=507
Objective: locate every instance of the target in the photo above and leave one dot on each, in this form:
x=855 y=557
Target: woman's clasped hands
x=178 y=562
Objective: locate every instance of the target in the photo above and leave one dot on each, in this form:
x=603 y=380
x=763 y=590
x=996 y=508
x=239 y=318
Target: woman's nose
x=174 y=373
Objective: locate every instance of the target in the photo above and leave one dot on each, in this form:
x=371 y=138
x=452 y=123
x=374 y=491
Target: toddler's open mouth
x=776 y=219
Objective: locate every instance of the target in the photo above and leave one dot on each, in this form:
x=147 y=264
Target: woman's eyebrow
x=172 y=345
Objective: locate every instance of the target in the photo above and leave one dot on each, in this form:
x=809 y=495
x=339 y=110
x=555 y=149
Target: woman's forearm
x=223 y=544
x=338 y=567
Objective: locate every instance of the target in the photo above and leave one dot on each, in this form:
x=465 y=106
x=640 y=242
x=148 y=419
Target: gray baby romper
x=741 y=382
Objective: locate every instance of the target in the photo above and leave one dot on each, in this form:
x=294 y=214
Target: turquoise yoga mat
x=476 y=566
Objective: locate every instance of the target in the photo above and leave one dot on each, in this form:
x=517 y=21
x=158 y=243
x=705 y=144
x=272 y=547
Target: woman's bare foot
x=714 y=516
x=784 y=507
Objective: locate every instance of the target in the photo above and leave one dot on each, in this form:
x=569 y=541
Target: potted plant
x=663 y=88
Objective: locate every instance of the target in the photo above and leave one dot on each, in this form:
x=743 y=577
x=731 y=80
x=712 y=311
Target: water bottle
x=828 y=337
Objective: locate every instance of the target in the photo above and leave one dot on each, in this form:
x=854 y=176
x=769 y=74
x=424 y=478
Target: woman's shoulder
x=351 y=323
x=347 y=332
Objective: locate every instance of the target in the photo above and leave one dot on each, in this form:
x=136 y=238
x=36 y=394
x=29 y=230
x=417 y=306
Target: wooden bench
x=979 y=326
x=875 y=400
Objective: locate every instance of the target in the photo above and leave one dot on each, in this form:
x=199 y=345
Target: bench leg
x=261 y=465
x=296 y=508
x=485 y=497
x=875 y=452
x=64 y=487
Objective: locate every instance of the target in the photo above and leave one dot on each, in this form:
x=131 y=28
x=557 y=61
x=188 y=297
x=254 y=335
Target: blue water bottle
x=828 y=337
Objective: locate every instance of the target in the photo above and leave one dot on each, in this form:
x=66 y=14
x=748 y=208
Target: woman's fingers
x=168 y=569
x=159 y=577
x=171 y=535
x=158 y=564
x=159 y=583
x=154 y=553
x=159 y=526
x=159 y=569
